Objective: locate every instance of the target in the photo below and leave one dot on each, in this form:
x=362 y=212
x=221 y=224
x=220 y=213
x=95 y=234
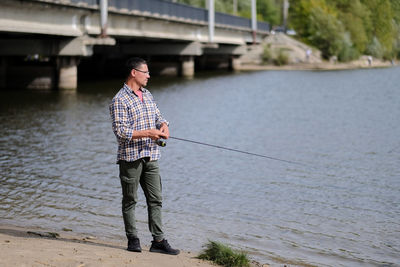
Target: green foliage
x=269 y=10
x=348 y=51
x=278 y=58
x=396 y=43
x=381 y=17
x=375 y=48
x=396 y=10
x=223 y=255
x=326 y=32
x=196 y=3
x=347 y=28
x=282 y=58
x=267 y=54
x=355 y=18
x=342 y=28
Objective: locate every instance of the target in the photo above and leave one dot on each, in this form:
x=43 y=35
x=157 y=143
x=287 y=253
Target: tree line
x=345 y=29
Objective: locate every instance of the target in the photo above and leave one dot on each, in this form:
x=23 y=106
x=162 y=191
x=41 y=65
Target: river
x=340 y=206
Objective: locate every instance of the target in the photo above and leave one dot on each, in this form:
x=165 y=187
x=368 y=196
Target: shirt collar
x=129 y=90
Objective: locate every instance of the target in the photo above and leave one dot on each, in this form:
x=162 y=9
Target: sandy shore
x=33 y=247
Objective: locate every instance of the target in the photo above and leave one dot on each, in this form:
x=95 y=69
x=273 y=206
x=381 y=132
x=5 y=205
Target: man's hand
x=164 y=129
x=156 y=134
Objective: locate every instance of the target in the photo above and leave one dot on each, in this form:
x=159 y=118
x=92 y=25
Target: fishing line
x=162 y=143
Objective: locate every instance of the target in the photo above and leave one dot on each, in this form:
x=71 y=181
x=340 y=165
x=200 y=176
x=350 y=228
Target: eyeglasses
x=145 y=72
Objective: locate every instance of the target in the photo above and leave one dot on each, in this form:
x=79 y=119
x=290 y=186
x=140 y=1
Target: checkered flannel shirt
x=129 y=114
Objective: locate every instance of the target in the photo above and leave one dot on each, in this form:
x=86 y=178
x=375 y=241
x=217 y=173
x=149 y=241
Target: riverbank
x=35 y=247
x=300 y=56
x=358 y=64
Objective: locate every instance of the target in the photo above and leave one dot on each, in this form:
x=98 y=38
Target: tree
x=269 y=10
x=342 y=28
x=396 y=10
x=357 y=22
x=381 y=17
x=326 y=32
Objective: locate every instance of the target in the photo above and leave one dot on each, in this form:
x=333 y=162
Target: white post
x=211 y=20
x=235 y=7
x=103 y=17
x=285 y=13
x=254 y=19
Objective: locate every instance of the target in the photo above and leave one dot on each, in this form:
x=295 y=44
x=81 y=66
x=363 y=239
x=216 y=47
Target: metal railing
x=162 y=8
x=172 y=10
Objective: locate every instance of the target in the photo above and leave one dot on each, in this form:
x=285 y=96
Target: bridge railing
x=161 y=8
x=170 y=9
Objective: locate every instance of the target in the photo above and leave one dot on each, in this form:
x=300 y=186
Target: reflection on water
x=343 y=209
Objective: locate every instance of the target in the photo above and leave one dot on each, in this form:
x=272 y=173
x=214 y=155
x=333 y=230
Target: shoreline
x=359 y=64
x=29 y=246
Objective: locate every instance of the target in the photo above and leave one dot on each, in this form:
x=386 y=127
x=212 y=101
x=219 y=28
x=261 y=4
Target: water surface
x=340 y=207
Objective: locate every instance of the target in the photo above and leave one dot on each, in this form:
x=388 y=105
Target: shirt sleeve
x=159 y=118
x=120 y=122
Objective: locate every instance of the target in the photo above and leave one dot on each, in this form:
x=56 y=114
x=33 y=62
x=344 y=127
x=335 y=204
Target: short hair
x=134 y=63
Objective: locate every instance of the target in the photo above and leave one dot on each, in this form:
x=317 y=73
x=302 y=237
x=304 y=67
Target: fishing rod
x=162 y=143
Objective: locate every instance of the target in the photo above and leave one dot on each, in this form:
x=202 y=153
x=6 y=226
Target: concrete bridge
x=43 y=41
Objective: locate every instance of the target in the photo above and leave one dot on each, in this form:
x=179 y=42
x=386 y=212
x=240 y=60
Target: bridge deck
x=167 y=10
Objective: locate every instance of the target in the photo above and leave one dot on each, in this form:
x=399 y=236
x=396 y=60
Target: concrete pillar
x=187 y=66
x=3 y=70
x=234 y=63
x=67 y=68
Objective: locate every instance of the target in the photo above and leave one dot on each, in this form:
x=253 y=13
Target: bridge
x=43 y=41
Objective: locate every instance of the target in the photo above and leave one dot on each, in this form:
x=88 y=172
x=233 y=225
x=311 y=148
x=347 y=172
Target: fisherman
x=138 y=124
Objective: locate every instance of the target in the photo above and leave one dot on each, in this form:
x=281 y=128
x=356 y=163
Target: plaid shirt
x=129 y=114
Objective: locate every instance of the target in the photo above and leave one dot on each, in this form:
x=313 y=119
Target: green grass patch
x=224 y=255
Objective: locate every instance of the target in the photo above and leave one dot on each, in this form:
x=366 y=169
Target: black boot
x=134 y=244
x=163 y=247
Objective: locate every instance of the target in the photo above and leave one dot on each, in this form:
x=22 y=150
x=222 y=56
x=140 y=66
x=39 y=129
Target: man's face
x=142 y=75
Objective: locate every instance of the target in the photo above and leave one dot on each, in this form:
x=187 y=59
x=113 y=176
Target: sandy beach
x=36 y=247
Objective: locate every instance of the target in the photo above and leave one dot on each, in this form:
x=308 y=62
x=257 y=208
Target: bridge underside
x=57 y=59
x=56 y=38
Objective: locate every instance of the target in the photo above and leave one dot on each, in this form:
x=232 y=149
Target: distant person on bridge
x=137 y=123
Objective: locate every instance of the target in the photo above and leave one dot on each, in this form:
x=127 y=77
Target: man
x=137 y=123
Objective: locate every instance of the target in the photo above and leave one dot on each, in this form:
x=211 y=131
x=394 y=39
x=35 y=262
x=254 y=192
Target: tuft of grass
x=223 y=255
x=267 y=56
x=282 y=58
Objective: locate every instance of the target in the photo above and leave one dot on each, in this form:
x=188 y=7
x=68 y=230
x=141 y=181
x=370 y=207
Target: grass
x=282 y=58
x=223 y=255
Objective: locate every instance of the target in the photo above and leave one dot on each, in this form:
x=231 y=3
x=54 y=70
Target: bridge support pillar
x=234 y=63
x=187 y=66
x=67 y=68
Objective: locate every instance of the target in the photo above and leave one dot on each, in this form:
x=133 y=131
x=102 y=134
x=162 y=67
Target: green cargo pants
x=146 y=173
